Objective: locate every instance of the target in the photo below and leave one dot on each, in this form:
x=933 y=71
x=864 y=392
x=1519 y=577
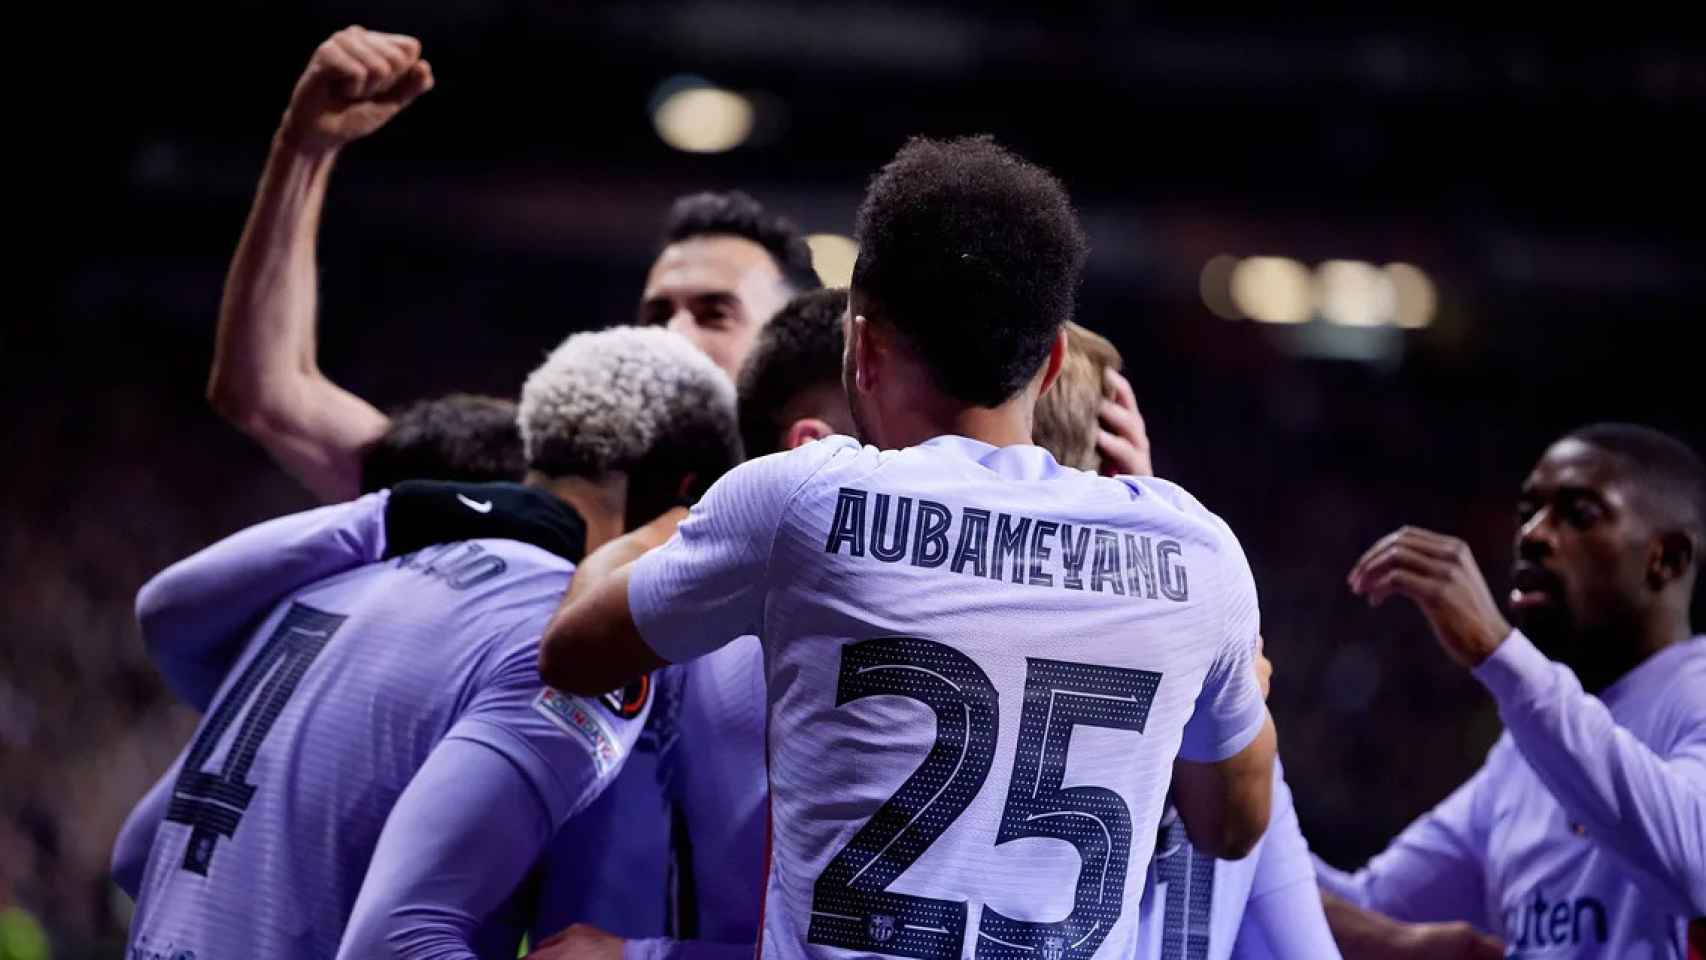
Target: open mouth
x=1533 y=586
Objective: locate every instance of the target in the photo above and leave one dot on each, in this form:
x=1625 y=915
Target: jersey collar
x=1020 y=461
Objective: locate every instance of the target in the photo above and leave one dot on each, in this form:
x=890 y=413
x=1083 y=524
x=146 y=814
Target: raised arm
x=266 y=380
x=1645 y=807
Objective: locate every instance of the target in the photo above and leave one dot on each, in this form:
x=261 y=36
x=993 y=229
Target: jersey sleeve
x=568 y=748
x=460 y=839
x=1230 y=710
x=1283 y=919
x=707 y=585
x=1285 y=853
x=1646 y=808
x=1435 y=870
x=194 y=614
x=1287 y=924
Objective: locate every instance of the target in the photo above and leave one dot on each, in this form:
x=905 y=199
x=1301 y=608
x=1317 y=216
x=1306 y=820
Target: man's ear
x=1670 y=558
x=804 y=431
x=1056 y=360
x=862 y=340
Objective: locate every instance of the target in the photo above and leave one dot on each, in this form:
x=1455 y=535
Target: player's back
x=336 y=701
x=981 y=669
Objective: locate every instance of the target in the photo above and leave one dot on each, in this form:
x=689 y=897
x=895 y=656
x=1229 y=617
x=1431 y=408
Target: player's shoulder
x=1690 y=664
x=1501 y=755
x=828 y=453
x=1169 y=500
x=1682 y=685
x=779 y=475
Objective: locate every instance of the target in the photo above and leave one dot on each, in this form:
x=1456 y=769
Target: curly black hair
x=974 y=255
x=738 y=214
x=461 y=437
x=798 y=349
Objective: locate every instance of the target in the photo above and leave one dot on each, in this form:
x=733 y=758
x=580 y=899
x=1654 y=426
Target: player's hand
x=1439 y=574
x=354 y=84
x=1447 y=941
x=1122 y=440
x=583 y=941
x=1264 y=668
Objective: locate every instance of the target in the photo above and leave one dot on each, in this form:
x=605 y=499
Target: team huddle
x=839 y=623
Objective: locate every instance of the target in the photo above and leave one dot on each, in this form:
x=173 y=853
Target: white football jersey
x=980 y=667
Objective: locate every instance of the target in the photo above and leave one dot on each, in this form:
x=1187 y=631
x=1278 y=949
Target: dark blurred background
x=1531 y=179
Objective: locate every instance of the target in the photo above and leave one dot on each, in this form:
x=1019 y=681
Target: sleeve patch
x=575 y=715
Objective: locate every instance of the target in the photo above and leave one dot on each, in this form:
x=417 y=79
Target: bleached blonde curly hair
x=622 y=398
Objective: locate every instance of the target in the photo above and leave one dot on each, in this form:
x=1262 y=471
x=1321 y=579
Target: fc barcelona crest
x=1054 y=948
x=882 y=927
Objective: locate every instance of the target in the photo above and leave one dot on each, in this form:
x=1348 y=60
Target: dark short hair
x=799 y=348
x=1663 y=466
x=734 y=213
x=1671 y=473
x=461 y=437
x=974 y=255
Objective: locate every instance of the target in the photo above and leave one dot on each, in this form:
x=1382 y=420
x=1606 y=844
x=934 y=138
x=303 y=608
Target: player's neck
x=601 y=503
x=1606 y=656
x=926 y=417
x=1665 y=627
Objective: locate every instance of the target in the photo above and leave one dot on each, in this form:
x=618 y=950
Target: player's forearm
x=1645 y=809
x=592 y=644
x=454 y=848
x=1226 y=805
x=265 y=378
x=266 y=317
x=1360 y=933
x=1287 y=923
x=660 y=948
x=1366 y=935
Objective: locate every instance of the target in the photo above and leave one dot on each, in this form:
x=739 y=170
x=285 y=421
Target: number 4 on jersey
x=212 y=804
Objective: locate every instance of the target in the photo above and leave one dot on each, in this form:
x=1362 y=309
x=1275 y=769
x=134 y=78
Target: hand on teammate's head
x=1440 y=575
x=355 y=83
x=1123 y=440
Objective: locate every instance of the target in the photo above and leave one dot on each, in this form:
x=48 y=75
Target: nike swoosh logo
x=478 y=506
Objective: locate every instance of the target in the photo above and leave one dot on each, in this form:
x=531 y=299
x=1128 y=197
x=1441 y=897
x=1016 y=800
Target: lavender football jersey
x=396 y=686
x=980 y=667
x=1584 y=833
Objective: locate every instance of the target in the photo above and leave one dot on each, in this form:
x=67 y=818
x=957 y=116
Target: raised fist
x=355 y=83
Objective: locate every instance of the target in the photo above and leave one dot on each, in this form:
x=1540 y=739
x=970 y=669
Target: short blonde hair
x=618 y=398
x=1067 y=415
